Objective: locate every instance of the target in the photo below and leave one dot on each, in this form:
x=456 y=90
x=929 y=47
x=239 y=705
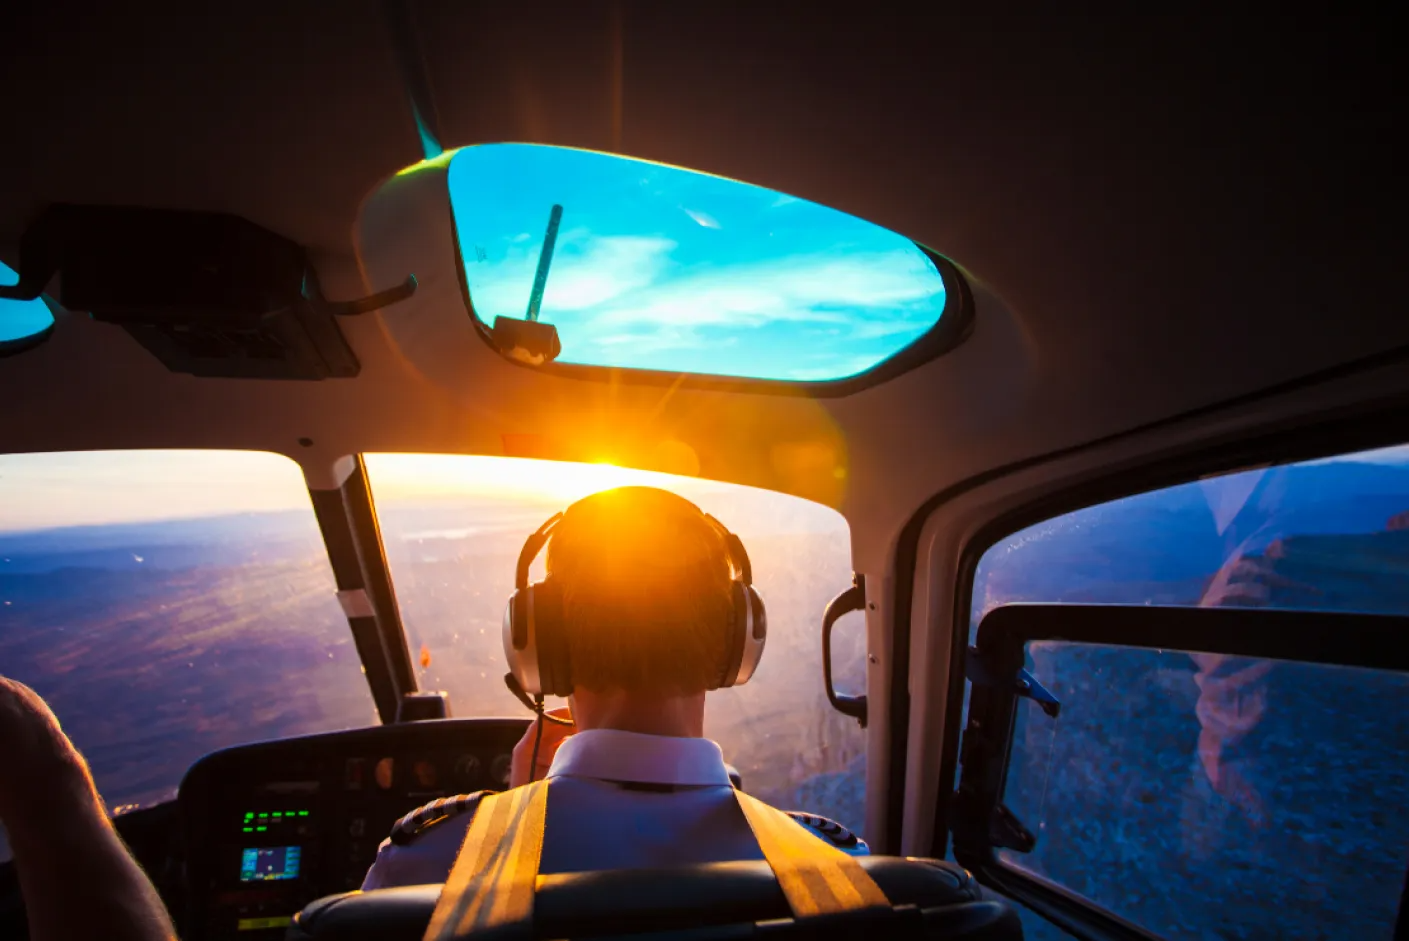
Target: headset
x=535 y=641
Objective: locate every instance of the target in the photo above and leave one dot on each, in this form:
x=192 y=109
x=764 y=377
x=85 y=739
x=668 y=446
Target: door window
x=1198 y=790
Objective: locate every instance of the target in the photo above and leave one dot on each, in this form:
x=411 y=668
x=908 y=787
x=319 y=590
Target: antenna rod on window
x=545 y=258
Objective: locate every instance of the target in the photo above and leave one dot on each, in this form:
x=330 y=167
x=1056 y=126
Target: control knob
x=467 y=772
x=499 y=770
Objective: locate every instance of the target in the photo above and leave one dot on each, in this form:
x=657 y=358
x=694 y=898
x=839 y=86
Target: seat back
x=929 y=899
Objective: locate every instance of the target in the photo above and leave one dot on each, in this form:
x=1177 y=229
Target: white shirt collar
x=614 y=755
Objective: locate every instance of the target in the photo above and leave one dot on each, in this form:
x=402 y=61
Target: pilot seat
x=929 y=899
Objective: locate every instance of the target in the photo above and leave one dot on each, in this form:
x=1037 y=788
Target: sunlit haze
x=431 y=475
x=41 y=491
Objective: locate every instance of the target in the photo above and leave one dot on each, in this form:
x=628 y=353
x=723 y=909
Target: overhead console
x=207 y=293
x=273 y=826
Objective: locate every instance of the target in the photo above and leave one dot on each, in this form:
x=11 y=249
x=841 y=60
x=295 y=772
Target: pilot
x=647 y=605
x=77 y=878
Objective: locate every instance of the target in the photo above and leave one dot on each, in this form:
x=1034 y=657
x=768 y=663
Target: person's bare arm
x=77 y=877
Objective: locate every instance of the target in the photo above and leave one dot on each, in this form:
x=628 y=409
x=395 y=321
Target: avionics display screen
x=269 y=863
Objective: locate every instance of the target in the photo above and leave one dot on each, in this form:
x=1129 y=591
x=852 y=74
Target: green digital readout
x=266 y=817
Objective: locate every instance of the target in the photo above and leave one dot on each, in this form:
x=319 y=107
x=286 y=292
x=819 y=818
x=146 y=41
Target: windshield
x=170 y=603
x=453 y=528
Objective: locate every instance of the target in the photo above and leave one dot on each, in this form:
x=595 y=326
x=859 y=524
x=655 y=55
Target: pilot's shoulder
x=834 y=833
x=425 y=818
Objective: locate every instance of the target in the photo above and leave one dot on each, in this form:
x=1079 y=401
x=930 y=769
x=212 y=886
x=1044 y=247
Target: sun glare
x=431 y=475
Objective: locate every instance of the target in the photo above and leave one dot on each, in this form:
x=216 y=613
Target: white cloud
x=586 y=271
x=858 y=291
x=606 y=269
x=703 y=218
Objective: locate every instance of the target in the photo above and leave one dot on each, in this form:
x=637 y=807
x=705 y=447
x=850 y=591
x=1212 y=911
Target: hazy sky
x=662 y=268
x=39 y=491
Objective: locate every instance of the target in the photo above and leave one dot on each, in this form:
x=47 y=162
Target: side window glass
x=1330 y=535
x=1203 y=795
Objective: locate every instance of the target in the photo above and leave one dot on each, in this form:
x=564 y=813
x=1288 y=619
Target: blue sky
x=662 y=268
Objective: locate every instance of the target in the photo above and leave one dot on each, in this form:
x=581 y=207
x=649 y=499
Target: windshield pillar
x=347 y=517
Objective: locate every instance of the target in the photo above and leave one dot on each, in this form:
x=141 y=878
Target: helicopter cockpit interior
x=1054 y=371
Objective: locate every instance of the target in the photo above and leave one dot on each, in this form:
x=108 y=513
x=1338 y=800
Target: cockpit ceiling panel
x=285 y=114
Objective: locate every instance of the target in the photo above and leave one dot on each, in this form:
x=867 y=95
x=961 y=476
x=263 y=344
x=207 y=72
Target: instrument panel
x=272 y=826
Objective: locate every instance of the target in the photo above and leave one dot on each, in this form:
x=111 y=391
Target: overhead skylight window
x=644 y=266
x=22 y=323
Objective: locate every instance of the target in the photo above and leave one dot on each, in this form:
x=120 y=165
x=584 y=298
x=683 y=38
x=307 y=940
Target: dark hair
x=647 y=593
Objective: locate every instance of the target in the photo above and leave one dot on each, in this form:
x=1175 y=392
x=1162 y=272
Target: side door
x=1189 y=710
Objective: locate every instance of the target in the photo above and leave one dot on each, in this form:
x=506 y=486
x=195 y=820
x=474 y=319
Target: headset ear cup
x=553 y=651
x=518 y=620
x=521 y=645
x=754 y=637
x=739 y=628
x=759 y=627
x=520 y=648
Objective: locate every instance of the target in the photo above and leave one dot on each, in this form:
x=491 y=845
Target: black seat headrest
x=930 y=899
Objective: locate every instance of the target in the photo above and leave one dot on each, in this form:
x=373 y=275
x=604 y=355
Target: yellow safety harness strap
x=491 y=885
x=817 y=879
x=492 y=882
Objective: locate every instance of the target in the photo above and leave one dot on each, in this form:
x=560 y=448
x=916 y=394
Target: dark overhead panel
x=207 y=293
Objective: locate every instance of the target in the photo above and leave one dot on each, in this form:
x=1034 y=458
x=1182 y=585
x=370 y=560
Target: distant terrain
x=154 y=651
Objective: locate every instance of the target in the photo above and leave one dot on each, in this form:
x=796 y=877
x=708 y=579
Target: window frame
x=352 y=540
x=1370 y=641
x=955 y=324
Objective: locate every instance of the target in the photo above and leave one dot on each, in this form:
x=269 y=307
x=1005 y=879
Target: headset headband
x=733 y=548
x=532 y=546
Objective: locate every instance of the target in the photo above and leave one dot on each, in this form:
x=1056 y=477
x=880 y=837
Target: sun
x=567 y=481
x=430 y=475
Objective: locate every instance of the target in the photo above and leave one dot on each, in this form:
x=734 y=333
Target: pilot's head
x=646 y=596
x=647 y=584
